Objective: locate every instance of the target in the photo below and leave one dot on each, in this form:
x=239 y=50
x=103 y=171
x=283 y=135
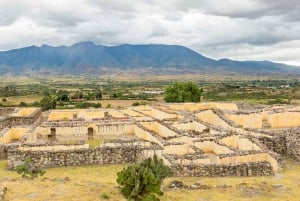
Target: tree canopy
x=48 y=103
x=182 y=92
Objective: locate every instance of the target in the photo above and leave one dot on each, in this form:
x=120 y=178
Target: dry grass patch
x=94 y=182
x=16 y=100
x=67 y=183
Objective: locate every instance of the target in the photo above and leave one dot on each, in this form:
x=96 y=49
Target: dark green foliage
x=35 y=104
x=105 y=196
x=98 y=95
x=277 y=101
x=83 y=105
x=23 y=104
x=27 y=171
x=182 y=92
x=48 y=103
x=135 y=104
x=63 y=98
x=142 y=181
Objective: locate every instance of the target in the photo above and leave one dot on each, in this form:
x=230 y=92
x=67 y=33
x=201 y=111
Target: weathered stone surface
x=48 y=159
x=3 y=190
x=293 y=143
x=244 y=169
x=277 y=144
x=210 y=146
x=176 y=184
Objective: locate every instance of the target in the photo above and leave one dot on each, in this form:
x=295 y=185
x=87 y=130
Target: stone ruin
x=194 y=139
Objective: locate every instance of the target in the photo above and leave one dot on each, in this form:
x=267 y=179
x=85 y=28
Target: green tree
x=182 y=92
x=62 y=95
x=142 y=181
x=22 y=104
x=98 y=94
x=48 y=103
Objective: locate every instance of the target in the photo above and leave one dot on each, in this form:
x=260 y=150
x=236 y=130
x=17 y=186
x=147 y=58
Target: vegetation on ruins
x=142 y=181
x=28 y=171
x=182 y=92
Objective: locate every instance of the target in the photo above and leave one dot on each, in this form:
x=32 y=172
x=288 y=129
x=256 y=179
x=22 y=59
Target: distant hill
x=87 y=58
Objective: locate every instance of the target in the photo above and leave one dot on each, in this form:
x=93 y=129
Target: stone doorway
x=52 y=135
x=90 y=133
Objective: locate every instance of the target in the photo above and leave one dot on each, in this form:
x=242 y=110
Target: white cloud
x=248 y=29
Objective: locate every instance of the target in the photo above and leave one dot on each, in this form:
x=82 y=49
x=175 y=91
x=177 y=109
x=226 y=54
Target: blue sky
x=236 y=29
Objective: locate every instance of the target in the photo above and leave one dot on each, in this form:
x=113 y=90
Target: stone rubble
x=210 y=146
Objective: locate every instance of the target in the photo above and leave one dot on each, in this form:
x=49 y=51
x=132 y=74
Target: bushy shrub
x=142 y=181
x=84 y=105
x=105 y=196
x=28 y=171
x=135 y=104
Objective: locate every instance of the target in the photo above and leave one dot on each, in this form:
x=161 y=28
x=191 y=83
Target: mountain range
x=89 y=58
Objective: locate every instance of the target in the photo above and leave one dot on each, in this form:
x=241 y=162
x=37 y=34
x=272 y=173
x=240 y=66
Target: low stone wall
x=10 y=121
x=4 y=111
x=5 y=147
x=21 y=121
x=3 y=152
x=243 y=169
x=4 y=122
x=293 y=143
x=81 y=157
x=277 y=144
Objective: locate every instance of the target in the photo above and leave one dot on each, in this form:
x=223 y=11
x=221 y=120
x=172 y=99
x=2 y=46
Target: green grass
x=95 y=143
x=16 y=100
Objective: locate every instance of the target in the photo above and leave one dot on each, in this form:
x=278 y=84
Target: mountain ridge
x=83 y=57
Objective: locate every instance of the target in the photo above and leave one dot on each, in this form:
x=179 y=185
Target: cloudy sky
x=237 y=29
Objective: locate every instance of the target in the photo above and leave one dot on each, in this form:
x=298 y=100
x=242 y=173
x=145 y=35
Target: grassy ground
x=15 y=100
x=98 y=182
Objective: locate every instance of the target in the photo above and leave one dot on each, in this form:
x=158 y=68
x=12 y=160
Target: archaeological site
x=194 y=139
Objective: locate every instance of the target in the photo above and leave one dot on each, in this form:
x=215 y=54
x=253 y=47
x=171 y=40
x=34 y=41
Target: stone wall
x=10 y=121
x=244 y=169
x=276 y=144
x=4 y=122
x=81 y=157
x=3 y=152
x=4 y=148
x=203 y=106
x=253 y=120
x=8 y=135
x=4 y=111
x=293 y=143
x=284 y=119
